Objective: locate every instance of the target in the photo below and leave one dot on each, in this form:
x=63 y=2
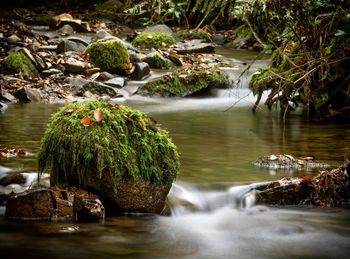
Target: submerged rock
x=113 y=151
x=288 y=162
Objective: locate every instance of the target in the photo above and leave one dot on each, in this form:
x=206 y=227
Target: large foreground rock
x=113 y=151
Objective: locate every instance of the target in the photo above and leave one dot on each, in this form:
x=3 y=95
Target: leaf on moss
x=98 y=114
x=86 y=121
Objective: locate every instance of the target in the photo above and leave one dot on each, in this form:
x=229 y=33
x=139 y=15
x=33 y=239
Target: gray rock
x=66 y=30
x=194 y=46
x=219 y=39
x=69 y=45
x=99 y=89
x=9 y=97
x=74 y=66
x=33 y=94
x=162 y=28
x=51 y=71
x=3 y=106
x=141 y=71
x=118 y=82
x=41 y=65
x=29 y=55
x=102 y=34
x=13 y=39
x=134 y=57
x=85 y=40
x=102 y=77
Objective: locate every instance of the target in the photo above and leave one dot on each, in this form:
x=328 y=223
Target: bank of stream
x=218 y=139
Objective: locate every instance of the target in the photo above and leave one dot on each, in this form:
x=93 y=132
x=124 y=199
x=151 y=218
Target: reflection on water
x=217 y=148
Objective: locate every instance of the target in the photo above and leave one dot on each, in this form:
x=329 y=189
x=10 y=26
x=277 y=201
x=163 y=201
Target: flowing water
x=211 y=203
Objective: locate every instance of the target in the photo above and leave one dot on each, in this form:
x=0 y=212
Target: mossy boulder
x=18 y=62
x=196 y=82
x=113 y=151
x=110 y=55
x=157 y=60
x=153 y=39
x=195 y=34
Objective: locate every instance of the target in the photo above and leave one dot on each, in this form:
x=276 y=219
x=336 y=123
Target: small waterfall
x=185 y=198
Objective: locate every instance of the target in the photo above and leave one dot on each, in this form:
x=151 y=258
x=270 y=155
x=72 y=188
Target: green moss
x=156 y=60
x=183 y=85
x=110 y=55
x=18 y=62
x=150 y=40
x=126 y=143
x=191 y=35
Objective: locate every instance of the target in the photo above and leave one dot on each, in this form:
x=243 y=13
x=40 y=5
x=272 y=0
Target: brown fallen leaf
x=86 y=121
x=98 y=114
x=143 y=124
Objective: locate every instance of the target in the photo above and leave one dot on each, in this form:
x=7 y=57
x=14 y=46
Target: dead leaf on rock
x=98 y=114
x=86 y=121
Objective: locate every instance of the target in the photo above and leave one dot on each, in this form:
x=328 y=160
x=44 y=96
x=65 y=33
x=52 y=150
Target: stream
x=212 y=209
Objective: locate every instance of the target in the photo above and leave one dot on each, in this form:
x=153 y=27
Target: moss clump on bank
x=18 y=62
x=125 y=143
x=149 y=40
x=110 y=55
x=181 y=85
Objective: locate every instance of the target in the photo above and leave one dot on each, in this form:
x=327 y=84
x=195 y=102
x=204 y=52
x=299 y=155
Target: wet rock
x=102 y=77
x=13 y=179
x=9 y=97
x=329 y=188
x=13 y=39
x=70 y=45
x=141 y=71
x=99 y=89
x=118 y=82
x=88 y=208
x=194 y=46
x=134 y=57
x=74 y=66
x=33 y=94
x=79 y=39
x=3 y=106
x=66 y=30
x=54 y=204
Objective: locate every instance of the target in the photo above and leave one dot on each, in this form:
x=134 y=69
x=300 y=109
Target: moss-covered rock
x=156 y=60
x=18 y=62
x=153 y=39
x=113 y=151
x=110 y=55
x=181 y=85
